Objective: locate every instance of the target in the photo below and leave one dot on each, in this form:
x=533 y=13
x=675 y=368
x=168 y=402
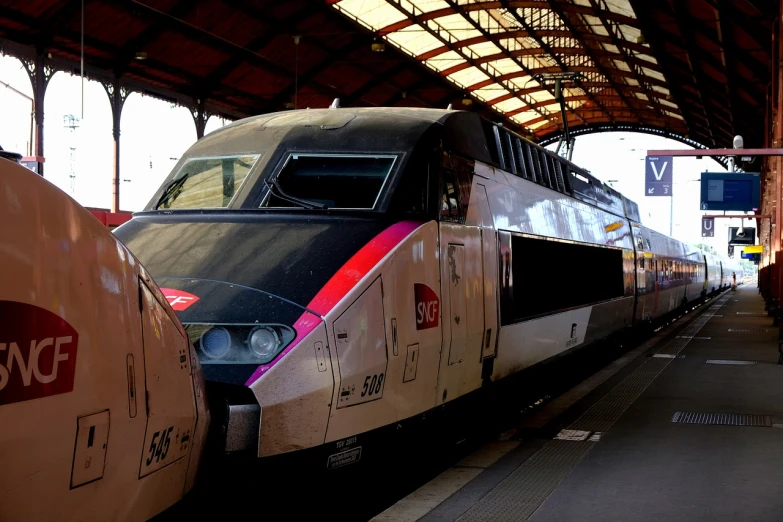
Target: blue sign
x=658 y=176
x=751 y=257
x=707 y=227
x=724 y=191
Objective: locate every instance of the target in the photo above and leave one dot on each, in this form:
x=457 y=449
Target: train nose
x=235 y=331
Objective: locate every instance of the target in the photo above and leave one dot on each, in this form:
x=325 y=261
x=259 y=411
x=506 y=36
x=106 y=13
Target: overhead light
x=141 y=55
x=467 y=101
x=289 y=105
x=378 y=47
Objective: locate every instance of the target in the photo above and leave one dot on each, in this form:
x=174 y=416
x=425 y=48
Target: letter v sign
x=658 y=175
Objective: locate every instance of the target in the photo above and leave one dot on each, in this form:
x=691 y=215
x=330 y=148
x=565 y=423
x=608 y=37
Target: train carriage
x=102 y=408
x=345 y=270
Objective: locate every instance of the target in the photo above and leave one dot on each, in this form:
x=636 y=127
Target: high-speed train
x=342 y=271
x=102 y=399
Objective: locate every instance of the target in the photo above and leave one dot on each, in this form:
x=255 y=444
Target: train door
x=479 y=214
x=171 y=416
x=462 y=285
x=647 y=276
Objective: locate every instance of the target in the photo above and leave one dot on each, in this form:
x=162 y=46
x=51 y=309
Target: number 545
x=159 y=448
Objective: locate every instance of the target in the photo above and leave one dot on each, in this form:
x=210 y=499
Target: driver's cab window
x=334 y=181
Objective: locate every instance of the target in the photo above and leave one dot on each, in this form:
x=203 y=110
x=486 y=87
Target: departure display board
x=724 y=191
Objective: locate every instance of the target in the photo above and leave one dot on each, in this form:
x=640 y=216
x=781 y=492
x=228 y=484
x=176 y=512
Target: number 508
x=372 y=384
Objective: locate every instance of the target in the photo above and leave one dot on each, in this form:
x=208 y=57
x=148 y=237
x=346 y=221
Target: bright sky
x=154 y=134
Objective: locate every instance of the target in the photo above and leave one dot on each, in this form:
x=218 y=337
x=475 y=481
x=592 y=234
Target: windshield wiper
x=173 y=185
x=275 y=189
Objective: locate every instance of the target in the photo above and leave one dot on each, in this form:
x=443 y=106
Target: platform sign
x=742 y=236
x=754 y=249
x=707 y=227
x=658 y=176
x=724 y=191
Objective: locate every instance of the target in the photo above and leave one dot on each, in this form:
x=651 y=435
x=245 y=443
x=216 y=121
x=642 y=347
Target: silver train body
x=490 y=255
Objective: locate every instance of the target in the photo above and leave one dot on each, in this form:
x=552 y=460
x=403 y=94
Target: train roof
x=396 y=128
x=371 y=128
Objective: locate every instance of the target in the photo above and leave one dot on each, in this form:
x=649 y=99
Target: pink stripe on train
x=342 y=282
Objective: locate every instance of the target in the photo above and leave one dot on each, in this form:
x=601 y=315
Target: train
x=345 y=271
x=103 y=412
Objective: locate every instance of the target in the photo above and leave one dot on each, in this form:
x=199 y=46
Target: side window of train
x=450 y=208
x=456 y=179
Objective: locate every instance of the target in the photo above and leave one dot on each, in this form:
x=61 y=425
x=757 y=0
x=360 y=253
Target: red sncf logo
x=37 y=353
x=427 y=306
x=178 y=299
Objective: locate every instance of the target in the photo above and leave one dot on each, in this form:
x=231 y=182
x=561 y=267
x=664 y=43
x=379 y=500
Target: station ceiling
x=696 y=68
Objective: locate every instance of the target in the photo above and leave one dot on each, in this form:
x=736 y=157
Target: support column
x=777 y=162
x=40 y=72
x=117 y=96
x=199 y=118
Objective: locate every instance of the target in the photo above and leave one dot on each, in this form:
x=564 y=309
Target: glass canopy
x=508 y=53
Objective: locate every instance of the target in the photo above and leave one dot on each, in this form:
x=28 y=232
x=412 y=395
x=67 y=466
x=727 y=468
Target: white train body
x=501 y=257
x=102 y=410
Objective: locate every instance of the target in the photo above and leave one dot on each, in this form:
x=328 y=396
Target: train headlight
x=238 y=343
x=215 y=343
x=264 y=342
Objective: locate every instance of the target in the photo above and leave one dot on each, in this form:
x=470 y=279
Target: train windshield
x=206 y=182
x=334 y=181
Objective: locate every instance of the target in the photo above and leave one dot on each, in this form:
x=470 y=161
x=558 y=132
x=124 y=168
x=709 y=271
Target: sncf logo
x=37 y=353
x=178 y=299
x=427 y=306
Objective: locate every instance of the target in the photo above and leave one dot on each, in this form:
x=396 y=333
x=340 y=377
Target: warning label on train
x=37 y=353
x=427 y=306
x=344 y=458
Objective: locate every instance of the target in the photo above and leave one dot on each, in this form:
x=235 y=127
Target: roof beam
x=485 y=34
x=310 y=74
x=642 y=79
x=510 y=4
x=683 y=19
x=727 y=59
x=548 y=50
x=554 y=69
x=142 y=82
x=614 y=96
x=375 y=82
x=152 y=32
x=590 y=52
x=209 y=39
x=188 y=79
x=459 y=51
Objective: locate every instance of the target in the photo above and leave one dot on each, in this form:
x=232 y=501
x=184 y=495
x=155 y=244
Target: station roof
x=696 y=68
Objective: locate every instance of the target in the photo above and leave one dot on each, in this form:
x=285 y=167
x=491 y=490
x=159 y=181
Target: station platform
x=685 y=426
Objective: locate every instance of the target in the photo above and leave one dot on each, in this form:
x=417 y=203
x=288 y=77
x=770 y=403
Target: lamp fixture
x=140 y=55
x=378 y=47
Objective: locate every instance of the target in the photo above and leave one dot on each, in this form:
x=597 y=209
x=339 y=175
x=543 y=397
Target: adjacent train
x=340 y=271
x=102 y=399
